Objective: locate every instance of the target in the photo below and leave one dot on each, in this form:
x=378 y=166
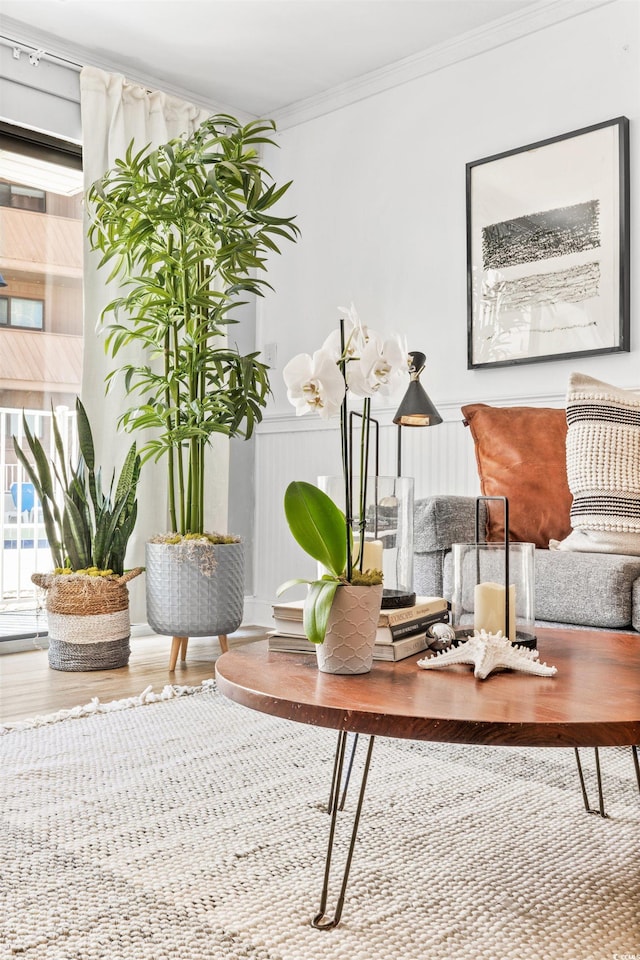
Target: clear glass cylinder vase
x=479 y=601
x=387 y=523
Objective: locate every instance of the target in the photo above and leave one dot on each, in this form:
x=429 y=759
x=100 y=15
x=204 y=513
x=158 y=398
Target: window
x=41 y=324
x=23 y=198
x=22 y=312
x=41 y=263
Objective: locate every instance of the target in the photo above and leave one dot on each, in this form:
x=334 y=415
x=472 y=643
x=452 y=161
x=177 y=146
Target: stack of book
x=401 y=632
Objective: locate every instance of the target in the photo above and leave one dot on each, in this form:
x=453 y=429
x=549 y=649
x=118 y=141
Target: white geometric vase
x=351 y=631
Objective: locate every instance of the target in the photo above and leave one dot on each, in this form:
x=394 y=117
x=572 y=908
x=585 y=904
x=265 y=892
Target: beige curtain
x=115 y=112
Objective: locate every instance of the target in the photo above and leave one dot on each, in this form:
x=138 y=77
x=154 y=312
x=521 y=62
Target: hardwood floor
x=30 y=688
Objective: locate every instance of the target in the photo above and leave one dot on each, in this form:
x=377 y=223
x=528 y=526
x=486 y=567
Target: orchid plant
x=353 y=361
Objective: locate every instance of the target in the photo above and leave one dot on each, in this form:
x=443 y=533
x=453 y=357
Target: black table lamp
x=416 y=409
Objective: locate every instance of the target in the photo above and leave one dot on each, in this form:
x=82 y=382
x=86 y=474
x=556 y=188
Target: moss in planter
x=194 y=547
x=197 y=537
x=370 y=578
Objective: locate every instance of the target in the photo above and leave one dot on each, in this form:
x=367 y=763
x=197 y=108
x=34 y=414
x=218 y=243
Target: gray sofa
x=586 y=589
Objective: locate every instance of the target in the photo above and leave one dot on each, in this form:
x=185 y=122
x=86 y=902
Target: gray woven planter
x=194 y=589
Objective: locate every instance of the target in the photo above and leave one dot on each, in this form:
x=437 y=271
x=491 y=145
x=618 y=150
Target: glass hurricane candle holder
x=388 y=531
x=481 y=572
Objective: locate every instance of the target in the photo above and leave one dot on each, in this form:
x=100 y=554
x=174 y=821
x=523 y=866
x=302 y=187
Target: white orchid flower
x=314 y=384
x=351 y=315
x=355 y=336
x=333 y=345
x=381 y=365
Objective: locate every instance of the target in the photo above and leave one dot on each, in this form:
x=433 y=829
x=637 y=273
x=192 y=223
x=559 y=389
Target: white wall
x=379 y=191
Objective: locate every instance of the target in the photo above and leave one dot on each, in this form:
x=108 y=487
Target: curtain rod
x=36 y=53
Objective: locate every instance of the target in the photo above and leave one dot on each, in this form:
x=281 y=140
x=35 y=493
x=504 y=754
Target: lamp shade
x=3 y=282
x=416 y=409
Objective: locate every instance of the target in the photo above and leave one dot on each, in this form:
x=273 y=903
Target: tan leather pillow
x=521 y=455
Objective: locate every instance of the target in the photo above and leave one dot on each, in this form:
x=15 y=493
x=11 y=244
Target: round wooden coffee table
x=593 y=701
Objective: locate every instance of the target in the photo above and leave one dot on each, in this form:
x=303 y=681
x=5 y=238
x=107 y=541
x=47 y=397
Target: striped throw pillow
x=603 y=467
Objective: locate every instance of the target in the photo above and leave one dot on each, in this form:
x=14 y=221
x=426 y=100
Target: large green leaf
x=85 y=442
x=59 y=445
x=317 y=607
x=43 y=483
x=317 y=524
x=129 y=475
x=74 y=531
x=52 y=528
x=29 y=469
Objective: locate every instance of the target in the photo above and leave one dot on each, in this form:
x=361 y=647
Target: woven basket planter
x=88 y=617
x=194 y=589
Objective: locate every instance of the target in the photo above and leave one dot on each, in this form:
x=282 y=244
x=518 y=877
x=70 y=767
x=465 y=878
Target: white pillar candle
x=488 y=609
x=372 y=559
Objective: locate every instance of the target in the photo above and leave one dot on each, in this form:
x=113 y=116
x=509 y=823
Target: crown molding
x=540 y=16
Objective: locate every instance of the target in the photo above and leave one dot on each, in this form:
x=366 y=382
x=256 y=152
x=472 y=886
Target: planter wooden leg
x=222 y=640
x=178 y=644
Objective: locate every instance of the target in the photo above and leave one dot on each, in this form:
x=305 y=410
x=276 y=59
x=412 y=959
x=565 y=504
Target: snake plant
x=86 y=526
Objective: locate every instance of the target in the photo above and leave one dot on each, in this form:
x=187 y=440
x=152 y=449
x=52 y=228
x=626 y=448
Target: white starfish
x=490 y=651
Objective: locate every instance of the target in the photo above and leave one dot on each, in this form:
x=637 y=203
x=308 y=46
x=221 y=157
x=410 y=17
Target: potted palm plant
x=186 y=229
x=88 y=529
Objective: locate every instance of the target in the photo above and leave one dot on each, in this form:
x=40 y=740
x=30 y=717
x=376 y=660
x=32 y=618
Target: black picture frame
x=548 y=249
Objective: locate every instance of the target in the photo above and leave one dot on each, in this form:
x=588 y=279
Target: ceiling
x=254 y=56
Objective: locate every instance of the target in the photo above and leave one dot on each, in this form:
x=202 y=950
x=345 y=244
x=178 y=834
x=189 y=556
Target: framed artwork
x=548 y=249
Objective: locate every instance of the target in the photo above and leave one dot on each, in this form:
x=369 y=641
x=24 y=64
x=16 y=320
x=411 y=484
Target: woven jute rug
x=193 y=828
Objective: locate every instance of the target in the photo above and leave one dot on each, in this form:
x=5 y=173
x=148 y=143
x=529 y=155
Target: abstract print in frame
x=548 y=249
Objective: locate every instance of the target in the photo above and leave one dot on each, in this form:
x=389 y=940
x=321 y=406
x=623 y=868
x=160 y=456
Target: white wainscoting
x=441 y=459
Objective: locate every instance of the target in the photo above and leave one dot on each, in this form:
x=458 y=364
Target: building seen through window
x=26 y=198
x=41 y=323
x=20 y=312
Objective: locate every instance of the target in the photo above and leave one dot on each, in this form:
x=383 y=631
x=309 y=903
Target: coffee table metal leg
x=321 y=921
x=600 y=811
x=335 y=787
